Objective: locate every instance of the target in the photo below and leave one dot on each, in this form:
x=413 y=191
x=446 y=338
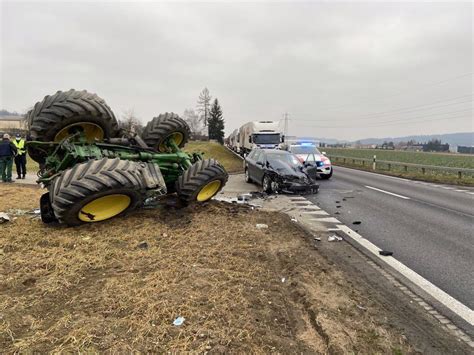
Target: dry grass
x=229 y=160
x=92 y=288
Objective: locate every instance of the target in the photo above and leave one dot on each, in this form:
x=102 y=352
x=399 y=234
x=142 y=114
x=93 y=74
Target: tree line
x=205 y=122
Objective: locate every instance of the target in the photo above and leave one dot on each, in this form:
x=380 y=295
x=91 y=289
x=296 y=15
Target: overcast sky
x=341 y=70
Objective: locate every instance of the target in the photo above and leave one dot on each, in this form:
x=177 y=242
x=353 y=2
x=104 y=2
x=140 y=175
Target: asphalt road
x=428 y=227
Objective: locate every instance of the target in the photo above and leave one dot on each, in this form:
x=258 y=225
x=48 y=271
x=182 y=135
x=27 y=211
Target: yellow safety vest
x=20 y=146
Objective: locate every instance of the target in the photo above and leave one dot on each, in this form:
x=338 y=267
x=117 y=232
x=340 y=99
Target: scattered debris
x=293 y=219
x=334 y=238
x=143 y=245
x=356 y=222
x=317 y=239
x=261 y=226
x=283 y=279
x=338 y=201
x=178 y=321
x=338 y=206
x=361 y=307
x=386 y=253
x=37 y=211
x=4 y=217
x=337 y=212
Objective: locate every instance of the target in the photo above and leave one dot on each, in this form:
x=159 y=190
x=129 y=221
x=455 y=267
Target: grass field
x=435 y=159
x=214 y=150
x=439 y=159
x=117 y=286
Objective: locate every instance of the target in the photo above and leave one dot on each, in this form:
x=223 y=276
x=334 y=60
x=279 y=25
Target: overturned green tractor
x=95 y=171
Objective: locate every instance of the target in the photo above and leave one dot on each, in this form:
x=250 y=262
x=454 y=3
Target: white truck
x=259 y=134
x=233 y=141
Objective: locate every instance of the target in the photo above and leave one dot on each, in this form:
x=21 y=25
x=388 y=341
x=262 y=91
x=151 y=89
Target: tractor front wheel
x=97 y=190
x=165 y=127
x=202 y=181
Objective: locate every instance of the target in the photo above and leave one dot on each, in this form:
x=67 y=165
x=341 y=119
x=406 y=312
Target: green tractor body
x=93 y=171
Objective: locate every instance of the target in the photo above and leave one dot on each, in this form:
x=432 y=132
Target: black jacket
x=7 y=148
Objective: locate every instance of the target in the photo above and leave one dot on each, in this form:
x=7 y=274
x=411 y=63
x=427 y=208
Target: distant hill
x=462 y=138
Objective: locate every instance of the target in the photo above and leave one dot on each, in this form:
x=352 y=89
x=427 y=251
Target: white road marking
x=453 y=304
x=461 y=190
x=388 y=193
x=328 y=219
x=320 y=212
x=310 y=207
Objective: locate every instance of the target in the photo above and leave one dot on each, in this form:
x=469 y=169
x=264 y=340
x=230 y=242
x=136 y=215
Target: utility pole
x=286 y=124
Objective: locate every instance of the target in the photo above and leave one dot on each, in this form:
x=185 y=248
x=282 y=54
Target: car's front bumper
x=299 y=188
x=325 y=170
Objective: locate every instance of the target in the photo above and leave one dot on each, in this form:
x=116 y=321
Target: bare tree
x=130 y=122
x=204 y=105
x=193 y=121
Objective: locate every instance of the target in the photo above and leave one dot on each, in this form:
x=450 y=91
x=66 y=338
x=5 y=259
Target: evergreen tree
x=216 y=122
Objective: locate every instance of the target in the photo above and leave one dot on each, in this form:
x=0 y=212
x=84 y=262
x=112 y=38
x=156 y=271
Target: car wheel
x=247 y=176
x=267 y=184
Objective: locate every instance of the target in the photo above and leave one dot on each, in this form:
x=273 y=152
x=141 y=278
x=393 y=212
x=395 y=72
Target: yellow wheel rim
x=177 y=137
x=91 y=131
x=208 y=191
x=104 y=208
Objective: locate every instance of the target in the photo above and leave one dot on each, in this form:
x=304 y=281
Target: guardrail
x=389 y=164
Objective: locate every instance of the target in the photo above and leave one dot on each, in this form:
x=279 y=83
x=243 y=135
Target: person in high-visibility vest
x=20 y=158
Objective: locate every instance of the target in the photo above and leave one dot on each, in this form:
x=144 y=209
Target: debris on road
x=293 y=219
x=338 y=206
x=386 y=253
x=356 y=222
x=334 y=238
x=178 y=321
x=261 y=226
x=317 y=239
x=4 y=217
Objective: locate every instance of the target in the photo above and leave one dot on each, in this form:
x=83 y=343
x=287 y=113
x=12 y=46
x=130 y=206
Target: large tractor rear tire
x=166 y=126
x=202 y=181
x=65 y=113
x=101 y=189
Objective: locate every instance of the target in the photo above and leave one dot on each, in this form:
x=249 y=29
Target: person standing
x=7 y=152
x=20 y=158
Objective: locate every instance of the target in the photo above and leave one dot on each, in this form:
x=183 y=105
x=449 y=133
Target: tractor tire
x=202 y=181
x=37 y=154
x=101 y=189
x=166 y=125
x=64 y=113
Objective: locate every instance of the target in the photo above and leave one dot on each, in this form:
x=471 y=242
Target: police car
x=308 y=153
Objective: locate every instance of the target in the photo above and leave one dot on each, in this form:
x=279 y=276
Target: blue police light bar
x=306 y=144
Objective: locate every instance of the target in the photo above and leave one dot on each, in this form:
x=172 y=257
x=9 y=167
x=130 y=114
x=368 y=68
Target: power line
x=403 y=109
x=398 y=93
x=395 y=122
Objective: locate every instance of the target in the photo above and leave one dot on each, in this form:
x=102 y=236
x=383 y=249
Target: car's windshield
x=304 y=149
x=283 y=161
x=266 y=138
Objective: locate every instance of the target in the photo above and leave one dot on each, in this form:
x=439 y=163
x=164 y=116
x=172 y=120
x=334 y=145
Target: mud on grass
x=98 y=287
